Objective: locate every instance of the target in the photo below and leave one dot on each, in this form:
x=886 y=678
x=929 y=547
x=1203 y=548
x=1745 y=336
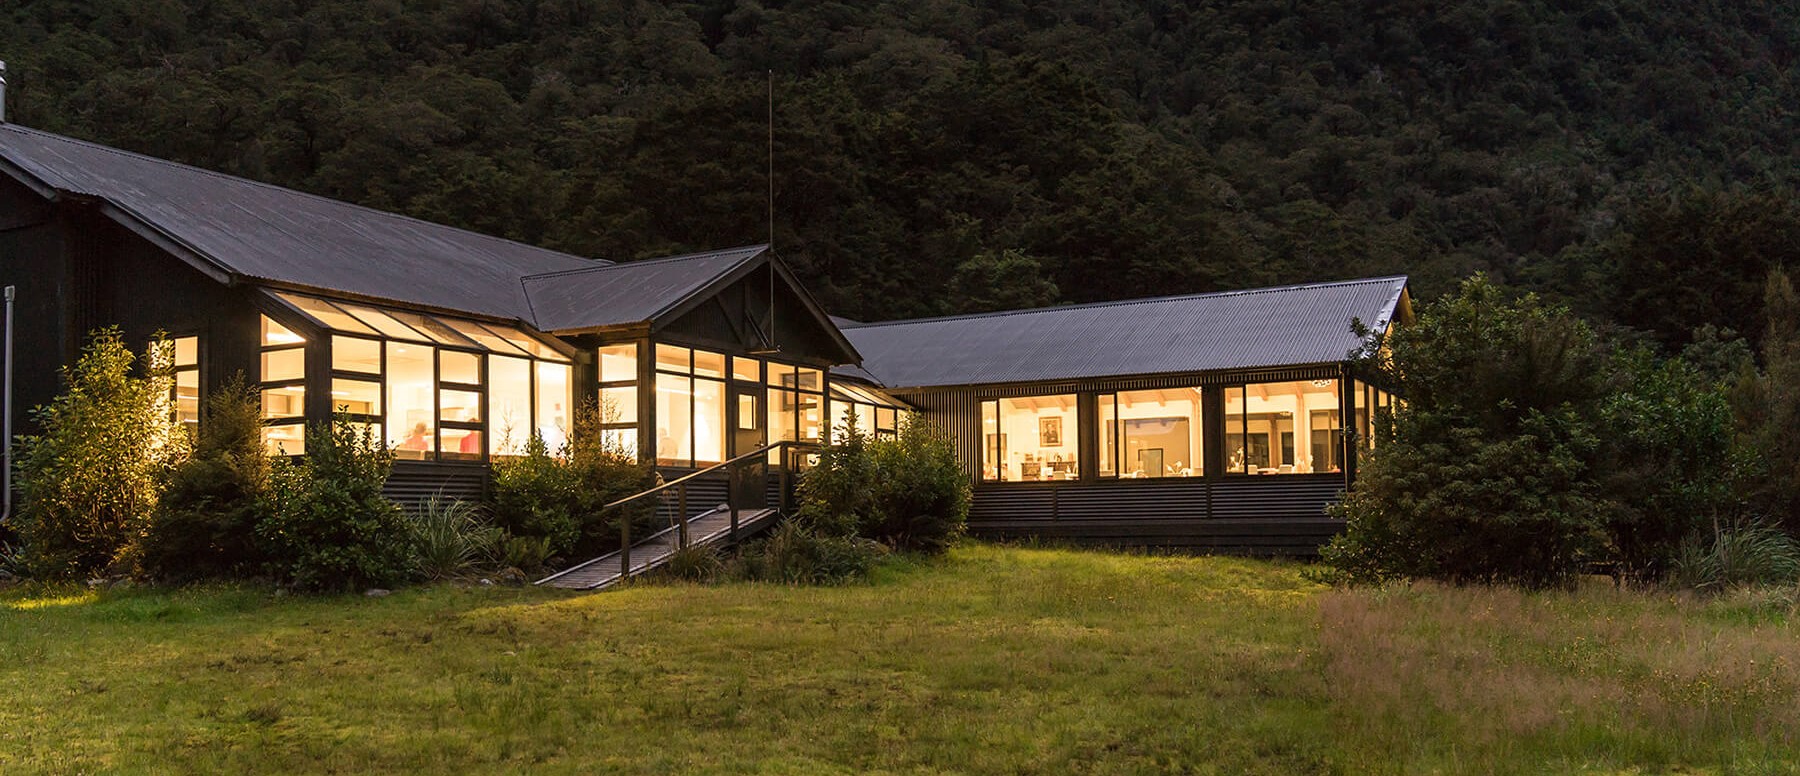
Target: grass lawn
x=990 y=660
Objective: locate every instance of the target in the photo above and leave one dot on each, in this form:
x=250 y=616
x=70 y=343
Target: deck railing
x=793 y=456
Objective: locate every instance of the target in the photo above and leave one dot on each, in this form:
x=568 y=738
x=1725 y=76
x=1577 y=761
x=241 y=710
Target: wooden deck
x=710 y=527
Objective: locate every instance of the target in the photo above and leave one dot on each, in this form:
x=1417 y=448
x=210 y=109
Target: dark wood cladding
x=1272 y=515
x=412 y=483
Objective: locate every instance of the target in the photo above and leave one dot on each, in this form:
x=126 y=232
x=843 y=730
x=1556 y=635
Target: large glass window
x=1031 y=438
x=509 y=405
x=1154 y=433
x=877 y=415
x=555 y=398
x=690 y=406
x=1283 y=428
x=184 y=395
x=619 y=397
x=283 y=382
x=411 y=400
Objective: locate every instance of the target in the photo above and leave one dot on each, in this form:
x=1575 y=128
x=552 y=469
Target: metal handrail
x=681 y=482
x=713 y=468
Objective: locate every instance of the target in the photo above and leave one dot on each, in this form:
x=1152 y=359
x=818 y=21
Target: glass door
x=749 y=431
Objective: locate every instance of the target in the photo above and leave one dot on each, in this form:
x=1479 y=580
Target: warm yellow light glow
x=47 y=602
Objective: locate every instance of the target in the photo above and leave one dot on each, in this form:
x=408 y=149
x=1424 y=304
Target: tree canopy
x=1058 y=150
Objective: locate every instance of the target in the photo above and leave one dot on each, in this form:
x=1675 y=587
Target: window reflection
x=1030 y=438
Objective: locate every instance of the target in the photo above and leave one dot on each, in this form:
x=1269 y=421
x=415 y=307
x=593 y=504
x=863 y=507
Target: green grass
x=990 y=660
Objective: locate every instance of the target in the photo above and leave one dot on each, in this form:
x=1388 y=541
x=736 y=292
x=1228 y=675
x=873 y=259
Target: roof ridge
x=89 y=144
x=1135 y=301
x=754 y=249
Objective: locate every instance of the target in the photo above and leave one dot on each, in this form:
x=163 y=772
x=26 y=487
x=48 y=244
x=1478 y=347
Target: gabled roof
x=1268 y=327
x=636 y=292
x=235 y=228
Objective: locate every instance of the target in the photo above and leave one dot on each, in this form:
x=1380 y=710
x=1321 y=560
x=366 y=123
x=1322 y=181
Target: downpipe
x=6 y=427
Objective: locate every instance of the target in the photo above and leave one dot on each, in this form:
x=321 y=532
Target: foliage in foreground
x=89 y=484
x=452 y=538
x=205 y=523
x=330 y=527
x=559 y=496
x=1527 y=450
x=908 y=492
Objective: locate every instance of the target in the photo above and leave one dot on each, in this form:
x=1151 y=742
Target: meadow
x=991 y=659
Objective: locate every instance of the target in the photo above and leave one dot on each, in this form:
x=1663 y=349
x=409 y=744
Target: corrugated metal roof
x=266 y=232
x=1305 y=324
x=627 y=293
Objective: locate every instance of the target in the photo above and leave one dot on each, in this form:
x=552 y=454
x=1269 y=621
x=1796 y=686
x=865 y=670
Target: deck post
x=682 y=506
x=624 y=545
x=731 y=501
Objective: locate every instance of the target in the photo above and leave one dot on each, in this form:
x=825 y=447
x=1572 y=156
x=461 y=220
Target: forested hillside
x=1635 y=158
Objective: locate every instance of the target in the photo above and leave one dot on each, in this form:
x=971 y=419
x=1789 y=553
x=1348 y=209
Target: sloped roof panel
x=1289 y=325
x=620 y=294
x=266 y=232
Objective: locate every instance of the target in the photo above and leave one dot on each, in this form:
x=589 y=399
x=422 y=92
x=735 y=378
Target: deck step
x=712 y=527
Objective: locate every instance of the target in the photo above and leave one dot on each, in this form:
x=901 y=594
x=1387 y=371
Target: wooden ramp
x=710 y=527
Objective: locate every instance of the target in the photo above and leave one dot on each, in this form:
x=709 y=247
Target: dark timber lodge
x=1220 y=421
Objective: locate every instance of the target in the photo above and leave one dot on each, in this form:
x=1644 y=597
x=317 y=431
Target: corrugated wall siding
x=1253 y=515
x=413 y=482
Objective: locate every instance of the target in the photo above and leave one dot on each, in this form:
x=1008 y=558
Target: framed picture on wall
x=1050 y=431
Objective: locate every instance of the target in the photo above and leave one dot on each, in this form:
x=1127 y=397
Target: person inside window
x=419 y=440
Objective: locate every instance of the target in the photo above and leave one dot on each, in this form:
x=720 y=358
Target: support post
x=624 y=546
x=731 y=501
x=681 y=505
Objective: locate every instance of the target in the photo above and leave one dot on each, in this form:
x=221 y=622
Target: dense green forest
x=1635 y=159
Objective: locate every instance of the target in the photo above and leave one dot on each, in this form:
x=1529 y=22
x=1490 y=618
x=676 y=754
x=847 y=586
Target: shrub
x=205 y=523
x=330 y=527
x=452 y=537
x=908 y=492
x=535 y=494
x=525 y=553
x=1733 y=556
x=696 y=563
x=796 y=554
x=560 y=495
x=89 y=483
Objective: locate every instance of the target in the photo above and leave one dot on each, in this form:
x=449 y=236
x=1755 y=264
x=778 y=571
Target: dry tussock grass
x=1645 y=677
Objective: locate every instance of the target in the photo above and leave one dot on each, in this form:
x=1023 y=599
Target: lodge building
x=1224 y=421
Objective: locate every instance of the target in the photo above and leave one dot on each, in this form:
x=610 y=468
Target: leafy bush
x=560 y=495
x=330 y=527
x=696 y=563
x=1734 y=556
x=908 y=492
x=452 y=537
x=525 y=553
x=205 y=524
x=797 y=554
x=89 y=483
x=535 y=494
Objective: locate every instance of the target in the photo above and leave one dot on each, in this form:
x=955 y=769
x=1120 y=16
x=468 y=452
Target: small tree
x=90 y=482
x=908 y=492
x=205 y=524
x=1486 y=475
x=1767 y=410
x=330 y=527
x=560 y=496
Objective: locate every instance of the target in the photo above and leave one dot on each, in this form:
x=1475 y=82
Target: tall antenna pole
x=772 y=209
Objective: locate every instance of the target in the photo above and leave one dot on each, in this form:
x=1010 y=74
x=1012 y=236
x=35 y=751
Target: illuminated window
x=555 y=418
x=184 y=395
x=411 y=407
x=619 y=397
x=690 y=406
x=1030 y=439
x=1148 y=434
x=509 y=405
x=1283 y=428
x=283 y=384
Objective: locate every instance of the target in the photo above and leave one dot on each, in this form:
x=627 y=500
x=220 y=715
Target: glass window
x=781 y=375
x=383 y=323
x=458 y=367
x=619 y=404
x=287 y=439
x=356 y=397
x=671 y=358
x=887 y=419
x=284 y=402
x=1283 y=428
x=1107 y=406
x=812 y=417
x=187 y=352
x=784 y=415
x=1031 y=438
x=284 y=364
x=185 y=394
x=432 y=328
x=709 y=364
x=746 y=369
x=411 y=409
x=326 y=313
x=354 y=354
x=618 y=362
x=276 y=334
x=488 y=339
x=460 y=444
x=1158 y=433
x=459 y=406
x=809 y=379
x=525 y=342
x=620 y=440
x=509 y=405
x=554 y=403
x=709 y=421
x=674 y=420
